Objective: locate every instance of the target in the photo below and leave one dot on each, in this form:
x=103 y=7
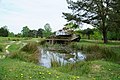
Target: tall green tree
x=4 y=31
x=71 y=25
x=11 y=34
x=47 y=30
x=88 y=32
x=25 y=31
x=114 y=31
x=32 y=33
x=40 y=32
x=95 y=12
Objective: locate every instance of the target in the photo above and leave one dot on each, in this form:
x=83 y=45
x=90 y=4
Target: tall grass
x=29 y=53
x=97 y=70
x=30 y=48
x=55 y=62
x=95 y=51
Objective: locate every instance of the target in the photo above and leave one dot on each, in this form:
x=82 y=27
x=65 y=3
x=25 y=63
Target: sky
x=32 y=13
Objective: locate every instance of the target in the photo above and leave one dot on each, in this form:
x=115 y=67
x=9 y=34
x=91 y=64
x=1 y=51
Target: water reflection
x=47 y=56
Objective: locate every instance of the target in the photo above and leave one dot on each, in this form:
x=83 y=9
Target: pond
x=47 y=57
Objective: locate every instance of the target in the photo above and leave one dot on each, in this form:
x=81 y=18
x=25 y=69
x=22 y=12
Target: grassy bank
x=102 y=62
x=97 y=70
x=28 y=52
x=11 y=69
x=97 y=50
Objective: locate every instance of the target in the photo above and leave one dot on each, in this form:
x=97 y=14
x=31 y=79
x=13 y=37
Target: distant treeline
x=47 y=31
x=26 y=32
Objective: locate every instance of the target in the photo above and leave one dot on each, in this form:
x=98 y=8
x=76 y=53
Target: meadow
x=21 y=63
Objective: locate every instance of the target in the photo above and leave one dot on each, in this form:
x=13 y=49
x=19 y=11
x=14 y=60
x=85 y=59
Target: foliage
x=25 y=31
x=11 y=34
x=4 y=31
x=18 y=35
x=114 y=35
x=88 y=32
x=71 y=25
x=95 y=12
x=32 y=33
x=47 y=30
x=97 y=35
x=40 y=32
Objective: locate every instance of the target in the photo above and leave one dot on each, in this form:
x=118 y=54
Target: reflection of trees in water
x=62 y=58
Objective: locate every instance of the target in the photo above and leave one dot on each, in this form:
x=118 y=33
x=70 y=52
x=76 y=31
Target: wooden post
x=52 y=41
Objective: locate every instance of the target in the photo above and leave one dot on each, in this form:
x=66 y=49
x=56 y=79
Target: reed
x=96 y=51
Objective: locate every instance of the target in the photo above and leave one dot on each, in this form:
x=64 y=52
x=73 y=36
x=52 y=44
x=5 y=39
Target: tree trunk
x=105 y=36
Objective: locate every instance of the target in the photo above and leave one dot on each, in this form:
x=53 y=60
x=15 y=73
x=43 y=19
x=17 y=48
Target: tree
x=88 y=32
x=11 y=34
x=47 y=30
x=71 y=25
x=97 y=34
x=114 y=31
x=95 y=12
x=25 y=31
x=4 y=31
x=40 y=32
x=18 y=35
x=32 y=33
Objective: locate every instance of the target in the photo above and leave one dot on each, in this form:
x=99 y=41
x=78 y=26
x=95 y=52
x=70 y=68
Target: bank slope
x=11 y=69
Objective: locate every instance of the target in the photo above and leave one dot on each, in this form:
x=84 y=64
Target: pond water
x=47 y=56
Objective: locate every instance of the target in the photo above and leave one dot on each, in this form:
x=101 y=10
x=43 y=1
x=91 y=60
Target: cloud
x=33 y=13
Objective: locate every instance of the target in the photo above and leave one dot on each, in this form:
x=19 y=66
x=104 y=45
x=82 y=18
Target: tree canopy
x=47 y=30
x=95 y=12
x=25 y=31
x=4 y=31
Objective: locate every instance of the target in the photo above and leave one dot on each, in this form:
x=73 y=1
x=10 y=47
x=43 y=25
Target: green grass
x=3 y=43
x=97 y=70
x=11 y=69
x=97 y=50
x=28 y=53
x=99 y=42
x=14 y=47
x=3 y=39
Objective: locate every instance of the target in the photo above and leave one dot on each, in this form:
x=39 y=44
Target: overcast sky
x=32 y=13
